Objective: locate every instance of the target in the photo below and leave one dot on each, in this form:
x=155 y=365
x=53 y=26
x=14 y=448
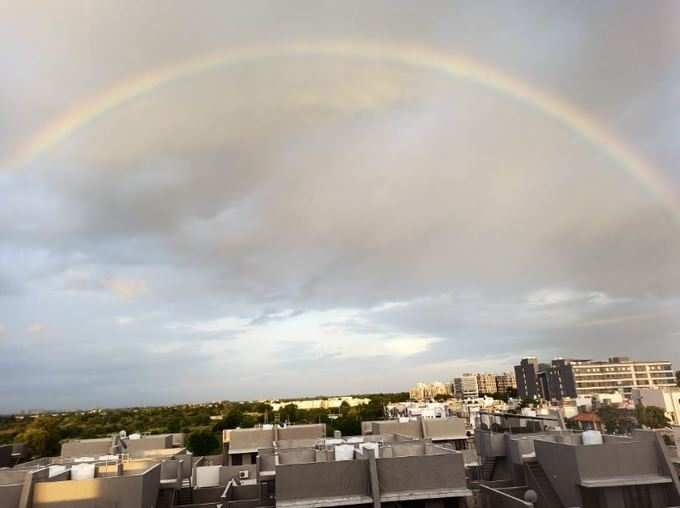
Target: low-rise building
x=241 y=445
x=565 y=468
x=375 y=469
x=448 y=432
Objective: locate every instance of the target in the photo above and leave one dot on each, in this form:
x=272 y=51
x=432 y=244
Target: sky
x=327 y=209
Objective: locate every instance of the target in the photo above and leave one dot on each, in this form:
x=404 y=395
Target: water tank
x=56 y=470
x=344 y=452
x=592 y=437
x=82 y=472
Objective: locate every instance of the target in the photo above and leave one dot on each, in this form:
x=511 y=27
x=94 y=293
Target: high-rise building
x=486 y=383
x=505 y=381
x=526 y=373
x=465 y=386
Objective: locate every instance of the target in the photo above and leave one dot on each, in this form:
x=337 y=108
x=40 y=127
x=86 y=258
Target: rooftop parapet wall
x=139 y=491
x=322 y=480
x=431 y=472
x=250 y=440
x=311 y=431
x=441 y=429
x=86 y=448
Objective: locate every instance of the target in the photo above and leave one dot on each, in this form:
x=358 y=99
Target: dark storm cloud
x=328 y=224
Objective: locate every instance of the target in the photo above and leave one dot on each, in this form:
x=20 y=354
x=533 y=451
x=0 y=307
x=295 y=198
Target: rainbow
x=455 y=66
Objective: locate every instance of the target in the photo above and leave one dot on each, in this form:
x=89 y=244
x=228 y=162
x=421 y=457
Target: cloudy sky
x=303 y=222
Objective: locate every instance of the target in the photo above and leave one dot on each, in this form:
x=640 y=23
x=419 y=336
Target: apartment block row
x=466 y=386
x=578 y=377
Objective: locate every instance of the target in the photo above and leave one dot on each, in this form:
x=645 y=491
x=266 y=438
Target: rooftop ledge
x=618 y=481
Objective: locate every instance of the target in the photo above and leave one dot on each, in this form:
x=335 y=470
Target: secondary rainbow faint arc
x=419 y=57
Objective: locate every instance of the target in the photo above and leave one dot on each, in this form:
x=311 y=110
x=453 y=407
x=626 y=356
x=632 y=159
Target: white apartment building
x=620 y=374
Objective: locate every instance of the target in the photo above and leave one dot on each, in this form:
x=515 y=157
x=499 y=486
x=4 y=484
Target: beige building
x=505 y=381
x=329 y=403
x=425 y=391
x=486 y=383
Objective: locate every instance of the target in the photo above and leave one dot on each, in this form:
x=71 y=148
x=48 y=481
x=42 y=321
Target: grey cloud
x=281 y=187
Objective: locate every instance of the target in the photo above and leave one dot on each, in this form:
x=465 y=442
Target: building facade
x=620 y=374
x=526 y=374
x=486 y=383
x=466 y=387
x=506 y=381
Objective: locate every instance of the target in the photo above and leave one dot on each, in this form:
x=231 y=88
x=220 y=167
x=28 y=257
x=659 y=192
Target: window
x=237 y=460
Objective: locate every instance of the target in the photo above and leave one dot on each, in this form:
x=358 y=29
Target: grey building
x=526 y=376
x=447 y=432
x=103 y=473
x=241 y=445
x=559 y=380
x=371 y=470
x=568 y=469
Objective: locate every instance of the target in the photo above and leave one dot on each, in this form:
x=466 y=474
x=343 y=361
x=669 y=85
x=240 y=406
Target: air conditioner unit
x=243 y=475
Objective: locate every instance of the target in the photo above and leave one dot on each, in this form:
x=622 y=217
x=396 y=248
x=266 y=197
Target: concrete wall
x=232 y=473
x=5 y=455
x=408 y=449
x=312 y=431
x=297 y=456
x=86 y=448
x=616 y=459
x=561 y=467
x=490 y=444
x=140 y=491
x=411 y=428
x=322 y=479
x=445 y=428
x=9 y=495
x=421 y=473
x=138 y=446
x=250 y=439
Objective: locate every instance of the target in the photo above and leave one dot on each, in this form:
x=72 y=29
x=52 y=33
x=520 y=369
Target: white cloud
x=124 y=320
x=550 y=297
x=36 y=328
x=128 y=289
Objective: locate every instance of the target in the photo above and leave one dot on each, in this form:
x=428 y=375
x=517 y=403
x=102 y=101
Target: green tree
x=652 y=417
x=203 y=442
x=617 y=421
x=441 y=397
x=36 y=439
x=288 y=413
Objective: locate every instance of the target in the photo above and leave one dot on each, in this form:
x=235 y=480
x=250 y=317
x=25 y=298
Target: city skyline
x=233 y=201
